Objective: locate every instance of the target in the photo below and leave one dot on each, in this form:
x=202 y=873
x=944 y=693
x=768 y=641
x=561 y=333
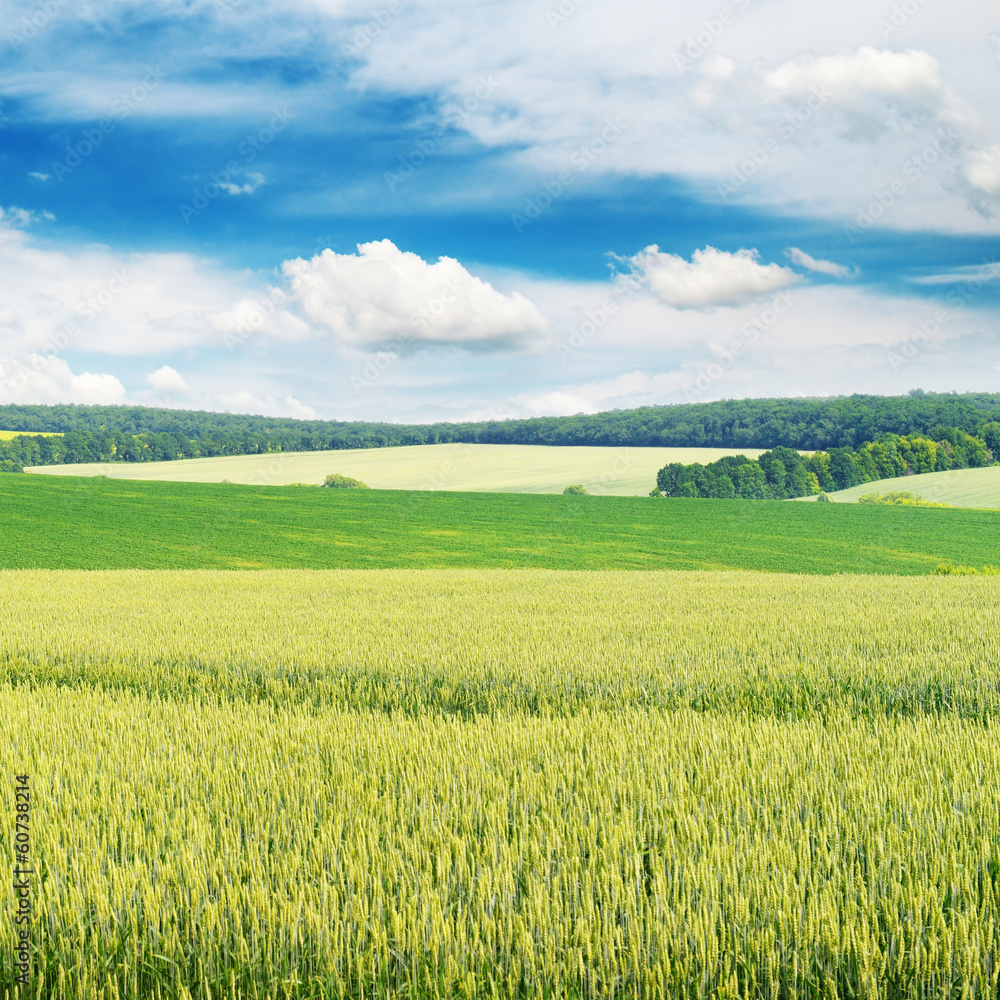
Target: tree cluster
x=143 y=434
x=785 y=473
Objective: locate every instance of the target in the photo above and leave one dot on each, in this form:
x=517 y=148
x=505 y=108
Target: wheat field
x=505 y=784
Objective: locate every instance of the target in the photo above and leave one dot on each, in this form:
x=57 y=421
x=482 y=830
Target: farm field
x=505 y=783
x=86 y=523
x=10 y=435
x=480 y=467
x=959 y=487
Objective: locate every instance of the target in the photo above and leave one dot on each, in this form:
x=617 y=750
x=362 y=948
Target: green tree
x=575 y=490
x=750 y=483
x=990 y=433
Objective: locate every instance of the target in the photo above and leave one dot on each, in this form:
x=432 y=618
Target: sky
x=418 y=210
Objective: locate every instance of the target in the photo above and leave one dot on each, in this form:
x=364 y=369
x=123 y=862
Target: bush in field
x=339 y=482
x=575 y=490
x=950 y=569
x=901 y=498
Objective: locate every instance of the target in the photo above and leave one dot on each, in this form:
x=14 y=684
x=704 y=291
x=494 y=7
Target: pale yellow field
x=487 y=468
x=959 y=487
x=10 y=435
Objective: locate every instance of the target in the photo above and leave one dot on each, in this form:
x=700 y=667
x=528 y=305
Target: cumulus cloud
x=800 y=257
x=846 y=76
x=982 y=170
x=299 y=410
x=382 y=294
x=168 y=381
x=50 y=380
x=711 y=278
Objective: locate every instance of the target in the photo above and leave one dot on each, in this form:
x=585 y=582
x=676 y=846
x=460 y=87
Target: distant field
x=960 y=487
x=10 y=435
x=486 y=468
x=86 y=523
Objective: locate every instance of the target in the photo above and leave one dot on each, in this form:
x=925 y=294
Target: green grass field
x=490 y=468
x=56 y=522
x=959 y=487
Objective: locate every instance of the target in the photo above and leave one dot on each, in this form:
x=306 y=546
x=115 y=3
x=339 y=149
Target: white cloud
x=298 y=410
x=982 y=170
x=628 y=390
x=254 y=181
x=800 y=257
x=711 y=278
x=383 y=294
x=49 y=380
x=850 y=76
x=94 y=299
x=20 y=218
x=169 y=381
x=35 y=175
x=972 y=275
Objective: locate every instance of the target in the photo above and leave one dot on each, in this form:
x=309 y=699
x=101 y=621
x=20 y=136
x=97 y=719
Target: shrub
x=339 y=482
x=950 y=569
x=575 y=490
x=899 y=499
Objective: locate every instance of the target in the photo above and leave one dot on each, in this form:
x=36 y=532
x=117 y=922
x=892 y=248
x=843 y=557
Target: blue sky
x=414 y=210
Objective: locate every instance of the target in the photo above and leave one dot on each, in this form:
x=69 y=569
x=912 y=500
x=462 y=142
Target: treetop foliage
x=785 y=473
x=144 y=434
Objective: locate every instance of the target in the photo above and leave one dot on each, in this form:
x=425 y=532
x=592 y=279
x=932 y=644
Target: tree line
x=148 y=434
x=784 y=473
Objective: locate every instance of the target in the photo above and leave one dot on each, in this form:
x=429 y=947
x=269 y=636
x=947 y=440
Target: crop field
x=959 y=487
x=62 y=523
x=445 y=784
x=489 y=468
x=9 y=435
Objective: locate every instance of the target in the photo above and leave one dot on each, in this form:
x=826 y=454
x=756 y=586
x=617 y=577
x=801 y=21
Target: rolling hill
x=959 y=487
x=486 y=468
x=51 y=522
